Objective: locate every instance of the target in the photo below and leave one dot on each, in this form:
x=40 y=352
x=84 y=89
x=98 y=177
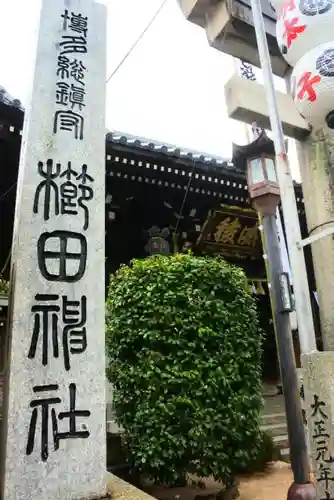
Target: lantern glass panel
x=257 y=174
x=271 y=172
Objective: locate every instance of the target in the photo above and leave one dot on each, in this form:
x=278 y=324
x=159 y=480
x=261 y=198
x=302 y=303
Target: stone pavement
x=273 y=484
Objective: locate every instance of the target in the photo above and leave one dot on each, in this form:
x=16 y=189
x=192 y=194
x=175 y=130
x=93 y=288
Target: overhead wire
x=8 y=191
x=184 y=199
x=122 y=61
x=113 y=73
x=119 y=65
x=194 y=161
x=134 y=45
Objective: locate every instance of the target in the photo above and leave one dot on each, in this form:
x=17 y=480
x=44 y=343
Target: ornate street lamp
x=257 y=160
x=262 y=184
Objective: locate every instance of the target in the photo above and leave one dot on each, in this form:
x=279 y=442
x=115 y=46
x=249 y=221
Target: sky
x=170 y=89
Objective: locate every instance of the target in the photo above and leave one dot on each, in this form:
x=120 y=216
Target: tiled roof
x=168 y=149
x=205 y=161
x=8 y=99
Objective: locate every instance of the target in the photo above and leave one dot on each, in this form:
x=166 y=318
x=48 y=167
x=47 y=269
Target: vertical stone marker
x=319 y=382
x=55 y=445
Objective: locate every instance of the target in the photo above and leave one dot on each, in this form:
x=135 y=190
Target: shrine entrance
x=233 y=233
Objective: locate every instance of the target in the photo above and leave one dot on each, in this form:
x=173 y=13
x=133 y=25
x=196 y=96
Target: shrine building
x=163 y=199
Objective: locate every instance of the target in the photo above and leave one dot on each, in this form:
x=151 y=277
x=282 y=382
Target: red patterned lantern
x=312 y=85
x=302 y=25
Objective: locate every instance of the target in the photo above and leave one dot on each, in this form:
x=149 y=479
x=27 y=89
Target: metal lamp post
x=258 y=159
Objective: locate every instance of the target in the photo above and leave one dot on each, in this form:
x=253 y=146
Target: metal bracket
x=315 y=237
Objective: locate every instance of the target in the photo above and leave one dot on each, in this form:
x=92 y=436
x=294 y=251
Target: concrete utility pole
x=304 y=33
x=296 y=432
x=298 y=268
x=310 y=69
x=241 y=95
x=264 y=193
x=252 y=133
x=305 y=36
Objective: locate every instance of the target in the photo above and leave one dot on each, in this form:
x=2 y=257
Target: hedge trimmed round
x=184 y=357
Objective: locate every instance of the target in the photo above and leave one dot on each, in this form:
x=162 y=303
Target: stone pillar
x=317 y=171
x=54 y=422
x=319 y=393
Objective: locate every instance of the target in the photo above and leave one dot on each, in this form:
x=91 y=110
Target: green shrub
x=265 y=454
x=4 y=287
x=184 y=350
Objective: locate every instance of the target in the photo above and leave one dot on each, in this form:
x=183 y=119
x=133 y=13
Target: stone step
x=274 y=402
x=273 y=418
x=281 y=441
x=274 y=408
x=275 y=429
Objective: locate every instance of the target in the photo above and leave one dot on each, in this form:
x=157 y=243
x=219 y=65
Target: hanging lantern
x=312 y=86
x=302 y=25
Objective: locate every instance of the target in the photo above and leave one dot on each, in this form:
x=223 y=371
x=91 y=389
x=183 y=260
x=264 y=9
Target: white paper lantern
x=312 y=86
x=303 y=25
